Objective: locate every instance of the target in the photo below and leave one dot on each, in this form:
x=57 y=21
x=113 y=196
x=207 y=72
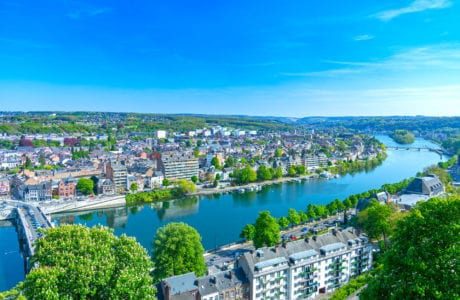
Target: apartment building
x=177 y=165
x=118 y=174
x=315 y=161
x=302 y=269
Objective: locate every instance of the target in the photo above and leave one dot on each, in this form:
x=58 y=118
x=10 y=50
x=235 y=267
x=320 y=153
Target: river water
x=219 y=218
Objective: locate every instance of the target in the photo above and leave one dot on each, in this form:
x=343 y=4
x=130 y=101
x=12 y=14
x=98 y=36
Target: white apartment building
x=315 y=161
x=305 y=268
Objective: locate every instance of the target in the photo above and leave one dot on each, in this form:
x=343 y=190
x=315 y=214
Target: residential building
x=161 y=134
x=420 y=189
x=428 y=185
x=34 y=192
x=105 y=187
x=176 y=165
x=224 y=285
x=67 y=188
x=302 y=269
x=315 y=161
x=118 y=174
x=4 y=186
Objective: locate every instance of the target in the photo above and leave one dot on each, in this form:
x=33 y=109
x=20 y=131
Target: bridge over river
x=418 y=148
x=28 y=219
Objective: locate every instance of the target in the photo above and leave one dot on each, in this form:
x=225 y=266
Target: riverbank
x=250 y=186
x=83 y=205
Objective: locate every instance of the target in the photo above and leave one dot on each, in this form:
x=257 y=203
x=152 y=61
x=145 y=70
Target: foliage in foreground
x=177 y=249
x=422 y=260
x=351 y=287
x=76 y=262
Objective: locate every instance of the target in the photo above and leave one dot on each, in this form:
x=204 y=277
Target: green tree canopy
x=76 y=262
x=293 y=217
x=134 y=187
x=248 y=232
x=216 y=163
x=283 y=222
x=245 y=175
x=177 y=249
x=85 y=186
x=423 y=259
x=378 y=220
x=278 y=152
x=264 y=173
x=267 y=230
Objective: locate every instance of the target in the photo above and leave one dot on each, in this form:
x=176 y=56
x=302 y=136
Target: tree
x=245 y=175
x=267 y=230
x=311 y=211
x=277 y=173
x=177 y=249
x=42 y=160
x=293 y=217
x=194 y=179
x=292 y=171
x=422 y=260
x=229 y=162
x=263 y=173
x=278 y=152
x=248 y=232
x=95 y=180
x=300 y=170
x=184 y=187
x=166 y=182
x=283 y=222
x=377 y=220
x=134 y=187
x=216 y=163
x=77 y=262
x=28 y=163
x=85 y=186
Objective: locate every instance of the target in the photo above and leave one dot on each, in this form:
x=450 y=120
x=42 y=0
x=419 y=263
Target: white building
x=302 y=269
x=161 y=134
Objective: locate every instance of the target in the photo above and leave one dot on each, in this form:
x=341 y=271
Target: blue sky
x=287 y=58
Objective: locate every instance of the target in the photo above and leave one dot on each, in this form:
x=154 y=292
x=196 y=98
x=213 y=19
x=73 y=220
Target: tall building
x=302 y=269
x=118 y=174
x=176 y=165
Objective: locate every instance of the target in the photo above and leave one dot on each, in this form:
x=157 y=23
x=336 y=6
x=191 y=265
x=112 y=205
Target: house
x=4 y=186
x=67 y=188
x=420 y=189
x=105 y=187
x=35 y=192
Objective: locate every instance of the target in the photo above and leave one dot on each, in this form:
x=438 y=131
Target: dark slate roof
x=181 y=283
x=221 y=281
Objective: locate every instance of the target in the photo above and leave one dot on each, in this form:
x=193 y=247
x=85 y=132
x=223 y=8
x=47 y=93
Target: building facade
x=305 y=268
x=67 y=188
x=118 y=174
x=176 y=165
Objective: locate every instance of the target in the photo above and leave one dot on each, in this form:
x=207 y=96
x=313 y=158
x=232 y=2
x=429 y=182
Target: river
x=219 y=218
